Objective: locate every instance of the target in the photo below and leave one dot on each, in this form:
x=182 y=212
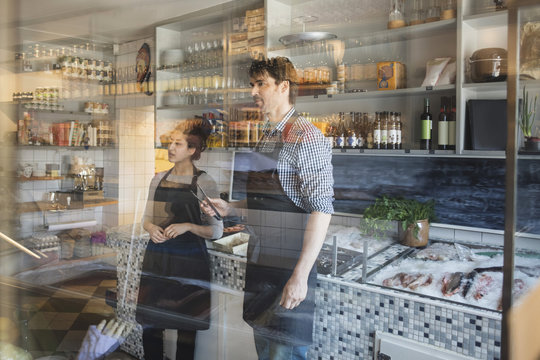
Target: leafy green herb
x=527 y=114
x=386 y=208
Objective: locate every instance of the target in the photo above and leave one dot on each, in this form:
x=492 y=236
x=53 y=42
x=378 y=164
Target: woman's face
x=178 y=148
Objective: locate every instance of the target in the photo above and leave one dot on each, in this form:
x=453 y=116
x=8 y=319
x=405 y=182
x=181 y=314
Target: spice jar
x=396 y=18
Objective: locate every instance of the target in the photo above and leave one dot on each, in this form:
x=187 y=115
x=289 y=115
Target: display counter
x=430 y=310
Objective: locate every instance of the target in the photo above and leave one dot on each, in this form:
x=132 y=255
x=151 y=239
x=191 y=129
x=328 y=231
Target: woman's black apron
x=175 y=284
x=272 y=254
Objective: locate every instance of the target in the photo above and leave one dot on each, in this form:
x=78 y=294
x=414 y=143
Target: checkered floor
x=56 y=323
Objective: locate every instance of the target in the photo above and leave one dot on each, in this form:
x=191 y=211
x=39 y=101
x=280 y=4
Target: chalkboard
x=467 y=191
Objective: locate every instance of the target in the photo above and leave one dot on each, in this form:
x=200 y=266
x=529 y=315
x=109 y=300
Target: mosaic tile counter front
x=348 y=314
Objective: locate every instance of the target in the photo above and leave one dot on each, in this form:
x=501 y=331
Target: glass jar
x=396 y=18
x=448 y=10
x=417 y=13
x=433 y=11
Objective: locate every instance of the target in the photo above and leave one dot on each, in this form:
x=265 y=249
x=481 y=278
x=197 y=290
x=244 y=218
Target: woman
x=174 y=291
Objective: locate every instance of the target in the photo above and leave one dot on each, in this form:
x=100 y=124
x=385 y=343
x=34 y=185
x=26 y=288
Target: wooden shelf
x=38 y=206
x=41 y=178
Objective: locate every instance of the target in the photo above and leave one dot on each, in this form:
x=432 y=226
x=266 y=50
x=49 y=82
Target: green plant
x=378 y=215
x=527 y=114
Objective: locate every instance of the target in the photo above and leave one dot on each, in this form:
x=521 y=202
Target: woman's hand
x=175 y=230
x=221 y=206
x=156 y=234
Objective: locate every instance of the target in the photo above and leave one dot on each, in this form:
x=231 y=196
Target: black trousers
x=153 y=344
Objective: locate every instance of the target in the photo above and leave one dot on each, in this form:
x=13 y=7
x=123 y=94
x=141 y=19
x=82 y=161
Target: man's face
x=268 y=95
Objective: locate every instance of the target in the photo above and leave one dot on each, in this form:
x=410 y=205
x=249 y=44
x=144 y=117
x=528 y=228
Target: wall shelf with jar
x=203 y=61
x=39 y=206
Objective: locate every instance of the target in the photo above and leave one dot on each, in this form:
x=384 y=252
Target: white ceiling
x=101 y=21
x=120 y=21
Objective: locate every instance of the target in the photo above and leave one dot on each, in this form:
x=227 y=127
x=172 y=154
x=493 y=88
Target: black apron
x=175 y=284
x=272 y=254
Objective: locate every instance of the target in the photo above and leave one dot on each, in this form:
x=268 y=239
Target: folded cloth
x=100 y=341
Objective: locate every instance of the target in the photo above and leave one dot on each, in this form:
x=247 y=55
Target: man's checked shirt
x=304 y=164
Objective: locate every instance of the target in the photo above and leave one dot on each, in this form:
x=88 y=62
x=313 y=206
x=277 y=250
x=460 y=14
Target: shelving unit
x=38 y=206
x=40 y=178
x=188 y=88
x=62 y=103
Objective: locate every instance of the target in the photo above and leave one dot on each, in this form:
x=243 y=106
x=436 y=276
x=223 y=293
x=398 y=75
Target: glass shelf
x=376 y=94
x=487 y=20
x=378 y=37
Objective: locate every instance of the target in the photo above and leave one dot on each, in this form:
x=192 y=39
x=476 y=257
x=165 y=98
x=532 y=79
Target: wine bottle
x=377 y=131
x=384 y=130
x=443 y=125
x=426 y=121
x=399 y=136
x=392 y=131
x=452 y=125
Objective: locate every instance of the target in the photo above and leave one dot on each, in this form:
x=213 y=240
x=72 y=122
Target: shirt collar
x=281 y=125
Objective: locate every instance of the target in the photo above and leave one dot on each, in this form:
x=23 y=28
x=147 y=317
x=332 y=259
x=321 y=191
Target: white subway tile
x=493 y=239
x=441 y=233
x=468 y=236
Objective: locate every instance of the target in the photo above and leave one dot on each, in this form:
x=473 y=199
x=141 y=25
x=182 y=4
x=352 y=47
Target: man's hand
x=157 y=235
x=175 y=230
x=221 y=206
x=294 y=292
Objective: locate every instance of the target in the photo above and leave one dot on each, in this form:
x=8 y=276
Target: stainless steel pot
x=489 y=64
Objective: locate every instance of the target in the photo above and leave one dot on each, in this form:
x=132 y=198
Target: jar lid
x=489 y=54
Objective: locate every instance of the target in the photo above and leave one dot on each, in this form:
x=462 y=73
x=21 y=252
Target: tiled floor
x=56 y=323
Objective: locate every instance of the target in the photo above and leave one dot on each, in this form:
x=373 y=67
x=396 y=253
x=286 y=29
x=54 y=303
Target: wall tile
x=468 y=236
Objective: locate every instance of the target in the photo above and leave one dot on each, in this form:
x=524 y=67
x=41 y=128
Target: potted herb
x=527 y=114
x=413 y=215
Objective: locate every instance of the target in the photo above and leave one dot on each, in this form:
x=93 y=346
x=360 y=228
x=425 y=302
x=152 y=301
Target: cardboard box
x=241 y=36
x=251 y=35
x=256 y=12
x=233 y=244
x=256 y=41
x=391 y=75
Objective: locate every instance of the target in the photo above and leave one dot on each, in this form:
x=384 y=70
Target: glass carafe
x=417 y=13
x=396 y=18
x=433 y=11
x=448 y=10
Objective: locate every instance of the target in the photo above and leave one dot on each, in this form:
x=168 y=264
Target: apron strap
x=196 y=174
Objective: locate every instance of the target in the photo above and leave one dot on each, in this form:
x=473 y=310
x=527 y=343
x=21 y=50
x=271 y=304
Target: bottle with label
x=329 y=131
x=384 y=130
x=377 y=131
x=426 y=123
x=369 y=137
x=213 y=139
x=452 y=125
x=339 y=134
x=443 y=125
x=392 y=144
x=351 y=141
x=399 y=138
x=358 y=128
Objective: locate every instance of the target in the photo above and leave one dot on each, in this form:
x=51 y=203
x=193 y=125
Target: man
x=290 y=174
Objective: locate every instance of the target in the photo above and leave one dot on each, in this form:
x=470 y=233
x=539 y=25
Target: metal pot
x=489 y=64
